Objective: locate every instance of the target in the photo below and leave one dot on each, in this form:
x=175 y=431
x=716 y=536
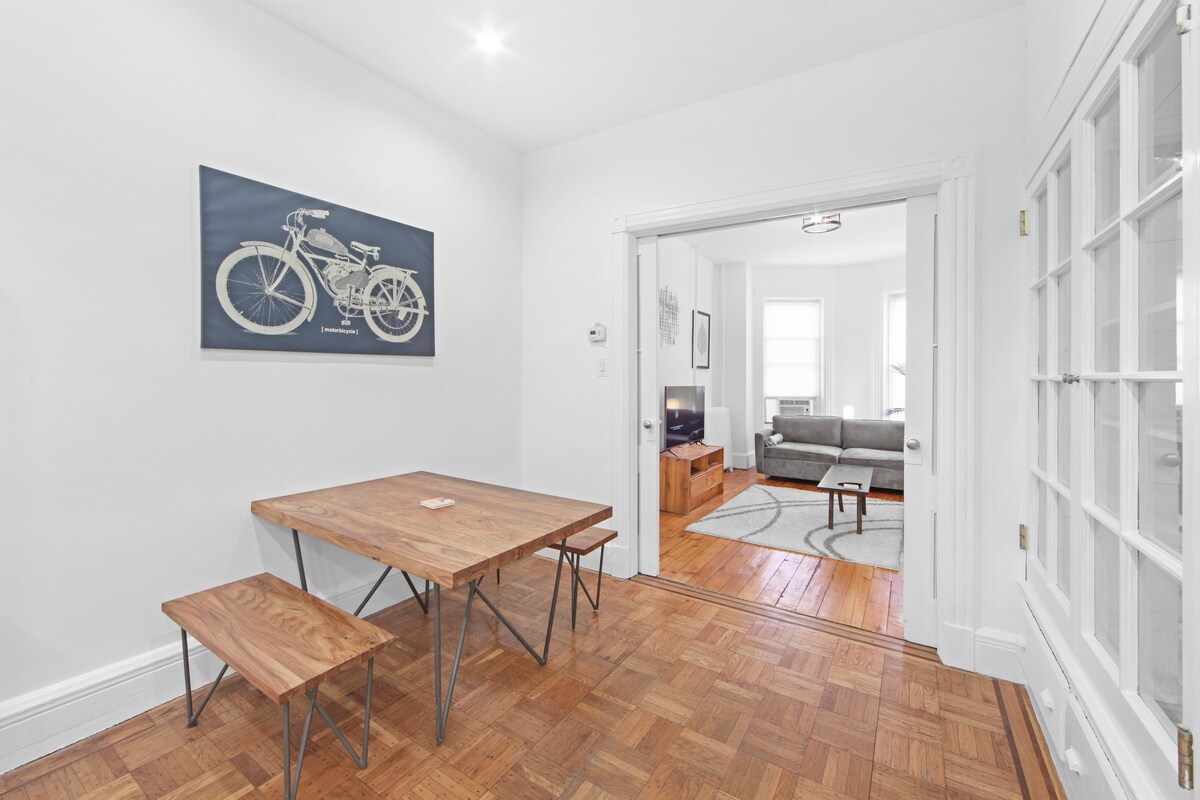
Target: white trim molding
x=952 y=179
x=47 y=719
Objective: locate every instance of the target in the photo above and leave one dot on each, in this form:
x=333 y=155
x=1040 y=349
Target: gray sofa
x=806 y=447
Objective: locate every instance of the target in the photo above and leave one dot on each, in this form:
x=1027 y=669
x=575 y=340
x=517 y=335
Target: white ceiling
x=867 y=235
x=570 y=68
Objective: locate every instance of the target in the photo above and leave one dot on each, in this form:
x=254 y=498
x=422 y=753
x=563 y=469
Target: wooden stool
x=577 y=546
x=283 y=641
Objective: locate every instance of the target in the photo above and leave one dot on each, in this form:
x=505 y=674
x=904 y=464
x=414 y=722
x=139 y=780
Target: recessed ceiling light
x=489 y=42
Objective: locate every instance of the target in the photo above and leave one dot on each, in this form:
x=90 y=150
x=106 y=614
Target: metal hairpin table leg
x=541 y=659
x=442 y=710
x=441 y=713
x=299 y=559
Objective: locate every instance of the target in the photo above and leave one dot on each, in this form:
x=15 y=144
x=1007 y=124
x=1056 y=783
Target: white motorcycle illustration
x=269 y=289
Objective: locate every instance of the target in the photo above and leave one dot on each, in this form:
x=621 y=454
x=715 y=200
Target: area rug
x=793 y=519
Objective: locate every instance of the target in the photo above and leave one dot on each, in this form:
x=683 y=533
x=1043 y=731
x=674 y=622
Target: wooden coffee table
x=842 y=480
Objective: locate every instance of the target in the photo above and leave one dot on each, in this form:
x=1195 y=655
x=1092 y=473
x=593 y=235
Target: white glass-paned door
x=1114 y=279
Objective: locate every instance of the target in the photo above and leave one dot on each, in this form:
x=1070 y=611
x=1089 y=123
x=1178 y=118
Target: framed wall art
x=701 y=339
x=285 y=271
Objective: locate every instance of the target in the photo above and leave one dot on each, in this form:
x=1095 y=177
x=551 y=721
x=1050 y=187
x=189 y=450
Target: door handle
x=912 y=444
x=1171 y=460
x=647 y=424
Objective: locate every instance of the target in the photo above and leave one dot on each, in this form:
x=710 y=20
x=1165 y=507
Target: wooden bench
x=284 y=642
x=576 y=547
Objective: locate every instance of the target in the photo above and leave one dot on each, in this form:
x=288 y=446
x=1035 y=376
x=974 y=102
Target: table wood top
x=487 y=527
x=282 y=640
x=847 y=473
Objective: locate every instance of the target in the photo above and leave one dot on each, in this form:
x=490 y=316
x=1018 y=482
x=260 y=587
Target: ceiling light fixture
x=489 y=42
x=821 y=223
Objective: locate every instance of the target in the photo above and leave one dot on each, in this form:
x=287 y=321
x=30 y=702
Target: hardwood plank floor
x=667 y=692
x=853 y=594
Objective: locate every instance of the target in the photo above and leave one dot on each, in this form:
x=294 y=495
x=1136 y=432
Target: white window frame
x=819 y=400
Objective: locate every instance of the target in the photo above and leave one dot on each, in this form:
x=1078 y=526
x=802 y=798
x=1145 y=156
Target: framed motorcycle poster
x=285 y=271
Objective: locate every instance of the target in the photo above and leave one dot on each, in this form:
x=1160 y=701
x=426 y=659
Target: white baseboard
x=998 y=653
x=956 y=646
x=743 y=460
x=617 y=561
x=45 y=720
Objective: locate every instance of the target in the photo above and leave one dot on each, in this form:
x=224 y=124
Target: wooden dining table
x=487 y=528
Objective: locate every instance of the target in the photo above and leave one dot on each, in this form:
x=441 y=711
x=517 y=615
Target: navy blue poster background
x=234 y=210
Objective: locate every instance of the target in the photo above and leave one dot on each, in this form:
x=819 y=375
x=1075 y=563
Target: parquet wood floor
x=853 y=594
x=667 y=692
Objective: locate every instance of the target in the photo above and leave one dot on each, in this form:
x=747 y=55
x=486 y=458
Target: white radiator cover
x=718 y=431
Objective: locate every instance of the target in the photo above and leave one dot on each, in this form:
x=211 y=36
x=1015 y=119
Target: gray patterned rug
x=793 y=519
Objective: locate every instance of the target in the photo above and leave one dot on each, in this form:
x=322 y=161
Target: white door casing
x=952 y=181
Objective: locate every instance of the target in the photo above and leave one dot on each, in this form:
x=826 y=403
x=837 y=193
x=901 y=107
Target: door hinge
x=1023 y=537
x=1024 y=222
x=1186 y=762
x=1183 y=17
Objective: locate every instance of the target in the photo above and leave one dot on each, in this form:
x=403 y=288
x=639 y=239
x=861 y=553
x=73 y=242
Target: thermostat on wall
x=598 y=333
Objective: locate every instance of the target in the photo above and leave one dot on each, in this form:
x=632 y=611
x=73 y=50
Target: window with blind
x=792 y=333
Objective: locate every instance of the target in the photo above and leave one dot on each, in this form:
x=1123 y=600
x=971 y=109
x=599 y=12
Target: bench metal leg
x=577 y=584
x=192 y=719
x=291 y=780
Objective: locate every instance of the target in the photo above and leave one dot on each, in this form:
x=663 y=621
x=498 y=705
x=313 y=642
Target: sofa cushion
x=873 y=434
x=867 y=457
x=805 y=452
x=810 y=430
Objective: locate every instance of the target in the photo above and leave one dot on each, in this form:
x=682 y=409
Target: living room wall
x=853 y=304
x=690 y=277
x=957 y=91
x=130 y=456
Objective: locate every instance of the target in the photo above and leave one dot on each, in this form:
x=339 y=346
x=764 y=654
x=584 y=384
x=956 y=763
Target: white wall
x=1055 y=30
x=130 y=456
x=690 y=277
x=957 y=91
x=853 y=305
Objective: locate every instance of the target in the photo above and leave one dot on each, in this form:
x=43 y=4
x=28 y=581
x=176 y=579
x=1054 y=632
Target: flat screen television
x=683 y=415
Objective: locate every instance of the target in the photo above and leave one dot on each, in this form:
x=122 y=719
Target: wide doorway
x=787 y=361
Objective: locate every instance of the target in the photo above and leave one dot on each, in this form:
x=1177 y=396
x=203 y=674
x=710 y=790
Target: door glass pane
x=1043 y=353
x=1108 y=307
x=1160 y=112
x=1160 y=282
x=1043 y=531
x=1160 y=641
x=1108 y=161
x=1106 y=589
x=1043 y=432
x=1160 y=451
x=1064 y=212
x=1063 y=393
x=1064 y=322
x=1062 y=537
x=1107 y=408
x=1043 y=234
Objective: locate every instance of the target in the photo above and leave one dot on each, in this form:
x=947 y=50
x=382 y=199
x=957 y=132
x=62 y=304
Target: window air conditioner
x=789 y=407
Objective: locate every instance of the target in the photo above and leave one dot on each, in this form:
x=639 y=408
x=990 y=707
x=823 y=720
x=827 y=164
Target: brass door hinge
x=1024 y=537
x=1024 y=223
x=1186 y=759
x=1183 y=16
